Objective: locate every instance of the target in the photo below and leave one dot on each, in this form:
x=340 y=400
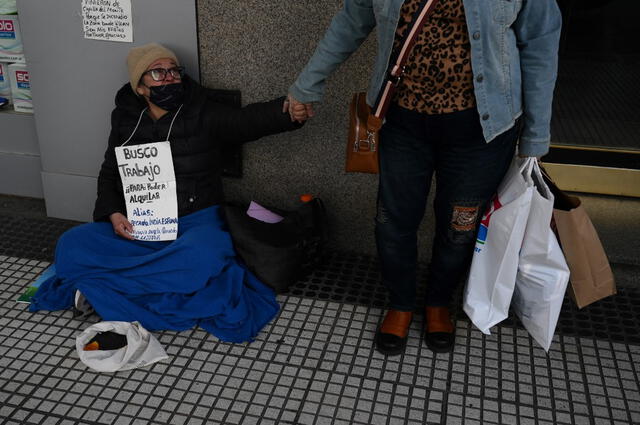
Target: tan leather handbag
x=365 y=123
x=362 y=146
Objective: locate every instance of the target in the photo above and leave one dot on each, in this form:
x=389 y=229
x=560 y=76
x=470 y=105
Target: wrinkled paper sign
x=107 y=20
x=149 y=185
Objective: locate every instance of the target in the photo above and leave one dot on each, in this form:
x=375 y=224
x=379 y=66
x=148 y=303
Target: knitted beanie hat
x=139 y=59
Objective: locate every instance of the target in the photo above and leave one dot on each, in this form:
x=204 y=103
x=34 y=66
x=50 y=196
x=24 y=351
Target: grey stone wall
x=259 y=47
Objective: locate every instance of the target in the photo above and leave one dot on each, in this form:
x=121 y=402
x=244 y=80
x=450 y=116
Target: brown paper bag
x=591 y=276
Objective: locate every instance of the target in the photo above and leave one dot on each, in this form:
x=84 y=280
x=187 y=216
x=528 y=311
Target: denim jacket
x=514 y=57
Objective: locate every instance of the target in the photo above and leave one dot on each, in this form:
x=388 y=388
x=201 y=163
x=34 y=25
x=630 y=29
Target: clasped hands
x=298 y=111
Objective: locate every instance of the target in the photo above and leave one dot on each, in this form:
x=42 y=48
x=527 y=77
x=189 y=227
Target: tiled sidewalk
x=313 y=365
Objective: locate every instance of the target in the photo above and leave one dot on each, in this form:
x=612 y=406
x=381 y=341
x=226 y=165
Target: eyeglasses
x=160 y=74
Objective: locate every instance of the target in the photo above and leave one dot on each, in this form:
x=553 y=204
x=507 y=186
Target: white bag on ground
x=494 y=265
x=543 y=273
x=142 y=348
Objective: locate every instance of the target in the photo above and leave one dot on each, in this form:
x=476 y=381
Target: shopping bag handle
x=562 y=201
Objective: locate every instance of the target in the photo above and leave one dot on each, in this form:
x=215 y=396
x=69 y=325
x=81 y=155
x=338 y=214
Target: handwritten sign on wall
x=108 y=20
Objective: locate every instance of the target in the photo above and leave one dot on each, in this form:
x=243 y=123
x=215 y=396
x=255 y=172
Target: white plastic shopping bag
x=494 y=264
x=142 y=348
x=543 y=273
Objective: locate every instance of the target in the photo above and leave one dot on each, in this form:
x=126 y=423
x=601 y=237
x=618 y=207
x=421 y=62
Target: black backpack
x=280 y=253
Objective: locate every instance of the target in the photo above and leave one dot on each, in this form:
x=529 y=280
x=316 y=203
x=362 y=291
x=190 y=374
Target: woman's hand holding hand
x=298 y=111
x=121 y=225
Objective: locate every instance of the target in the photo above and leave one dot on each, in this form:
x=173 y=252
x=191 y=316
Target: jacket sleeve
x=256 y=120
x=110 y=197
x=348 y=29
x=537 y=31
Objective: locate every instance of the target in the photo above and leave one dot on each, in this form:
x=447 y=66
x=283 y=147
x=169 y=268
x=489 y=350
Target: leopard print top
x=438 y=76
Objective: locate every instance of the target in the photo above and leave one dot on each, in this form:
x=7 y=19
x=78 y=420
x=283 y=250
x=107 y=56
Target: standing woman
x=480 y=76
x=194 y=279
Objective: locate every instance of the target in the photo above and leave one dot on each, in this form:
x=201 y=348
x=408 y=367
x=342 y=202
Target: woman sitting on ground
x=194 y=279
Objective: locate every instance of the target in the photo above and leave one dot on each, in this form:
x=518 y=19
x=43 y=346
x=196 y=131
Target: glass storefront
x=597 y=100
x=596 y=110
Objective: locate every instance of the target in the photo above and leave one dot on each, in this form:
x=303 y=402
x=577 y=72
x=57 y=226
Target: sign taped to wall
x=108 y=20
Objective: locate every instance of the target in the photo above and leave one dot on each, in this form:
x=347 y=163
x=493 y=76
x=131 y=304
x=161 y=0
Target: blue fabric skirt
x=194 y=280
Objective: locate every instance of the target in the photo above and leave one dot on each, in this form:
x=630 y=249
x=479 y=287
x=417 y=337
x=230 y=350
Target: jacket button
x=480 y=78
x=485 y=117
x=476 y=35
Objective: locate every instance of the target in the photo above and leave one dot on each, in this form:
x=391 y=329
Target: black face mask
x=168 y=96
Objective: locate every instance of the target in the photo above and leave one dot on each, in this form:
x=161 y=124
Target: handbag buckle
x=367 y=145
x=396 y=79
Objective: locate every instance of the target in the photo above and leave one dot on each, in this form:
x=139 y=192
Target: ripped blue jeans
x=414 y=146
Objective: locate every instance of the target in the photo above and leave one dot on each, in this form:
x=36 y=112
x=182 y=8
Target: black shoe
x=440 y=332
x=394 y=340
x=390 y=344
x=440 y=342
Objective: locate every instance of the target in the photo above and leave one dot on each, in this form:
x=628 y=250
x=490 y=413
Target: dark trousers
x=414 y=146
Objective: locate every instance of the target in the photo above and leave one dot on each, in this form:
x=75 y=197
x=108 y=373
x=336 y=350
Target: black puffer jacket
x=200 y=128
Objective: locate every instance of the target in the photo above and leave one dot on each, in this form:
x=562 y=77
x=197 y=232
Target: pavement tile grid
x=353 y=278
x=28 y=237
x=312 y=365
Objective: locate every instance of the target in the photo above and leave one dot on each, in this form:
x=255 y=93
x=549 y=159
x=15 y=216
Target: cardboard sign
x=108 y=20
x=149 y=185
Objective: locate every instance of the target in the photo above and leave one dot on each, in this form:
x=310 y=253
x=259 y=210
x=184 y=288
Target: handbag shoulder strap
x=374 y=123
